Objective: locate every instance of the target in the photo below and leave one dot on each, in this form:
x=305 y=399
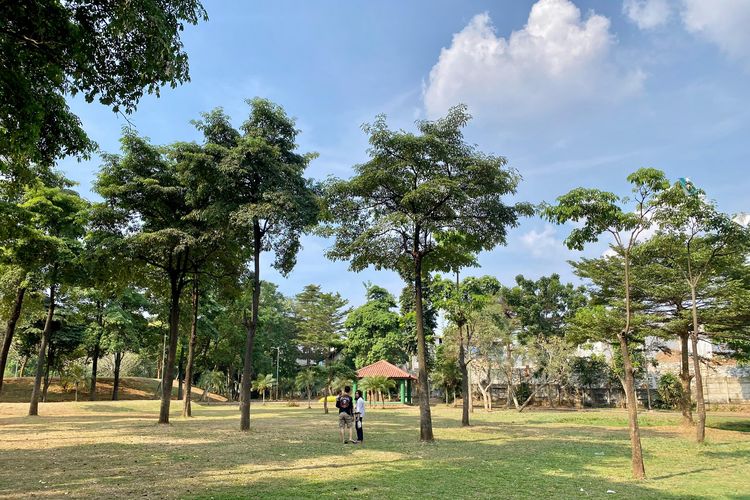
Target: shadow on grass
x=731 y=425
x=296 y=454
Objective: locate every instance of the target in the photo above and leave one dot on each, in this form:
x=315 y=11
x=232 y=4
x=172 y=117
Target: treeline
x=676 y=269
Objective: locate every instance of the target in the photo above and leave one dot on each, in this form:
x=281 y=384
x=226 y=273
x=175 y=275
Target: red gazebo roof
x=383 y=369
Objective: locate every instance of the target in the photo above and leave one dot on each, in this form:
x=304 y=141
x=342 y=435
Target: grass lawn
x=115 y=449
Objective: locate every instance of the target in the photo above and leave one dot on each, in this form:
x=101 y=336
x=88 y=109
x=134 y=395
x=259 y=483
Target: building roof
x=383 y=369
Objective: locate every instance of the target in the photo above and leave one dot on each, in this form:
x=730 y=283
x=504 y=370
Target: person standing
x=345 y=405
x=359 y=413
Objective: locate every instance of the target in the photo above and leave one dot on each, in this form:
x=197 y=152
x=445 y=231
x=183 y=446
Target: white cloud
x=544 y=243
x=722 y=22
x=558 y=59
x=647 y=14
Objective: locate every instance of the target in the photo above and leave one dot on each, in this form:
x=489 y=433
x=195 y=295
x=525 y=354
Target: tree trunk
x=35 y=392
x=23 y=366
x=700 y=429
x=180 y=371
x=247 y=368
x=639 y=471
x=325 y=397
x=425 y=417
x=187 y=410
x=309 y=398
x=97 y=350
x=531 y=396
x=94 y=368
x=167 y=379
x=464 y=379
x=47 y=371
x=686 y=403
x=10 y=330
x=116 y=383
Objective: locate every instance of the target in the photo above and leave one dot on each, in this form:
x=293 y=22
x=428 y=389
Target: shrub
x=670 y=390
x=523 y=391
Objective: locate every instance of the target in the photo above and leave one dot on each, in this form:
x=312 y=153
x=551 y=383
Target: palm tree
x=335 y=370
x=263 y=383
x=212 y=381
x=307 y=379
x=379 y=384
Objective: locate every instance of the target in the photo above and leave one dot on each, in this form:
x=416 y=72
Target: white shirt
x=360 y=407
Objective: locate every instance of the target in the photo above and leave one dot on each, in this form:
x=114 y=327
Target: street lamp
x=278 y=352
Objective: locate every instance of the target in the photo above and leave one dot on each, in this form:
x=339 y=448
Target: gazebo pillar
x=402 y=390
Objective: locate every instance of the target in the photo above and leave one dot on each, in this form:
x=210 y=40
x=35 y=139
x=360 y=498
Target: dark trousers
x=359 y=426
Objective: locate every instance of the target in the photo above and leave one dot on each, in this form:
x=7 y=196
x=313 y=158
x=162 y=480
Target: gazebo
x=383 y=368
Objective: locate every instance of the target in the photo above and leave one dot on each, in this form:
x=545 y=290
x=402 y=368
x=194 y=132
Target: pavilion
x=383 y=368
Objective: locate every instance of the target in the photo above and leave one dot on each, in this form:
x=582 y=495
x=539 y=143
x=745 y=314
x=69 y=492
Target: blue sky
x=571 y=92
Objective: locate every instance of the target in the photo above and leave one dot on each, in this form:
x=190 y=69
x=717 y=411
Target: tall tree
x=109 y=51
x=602 y=212
x=464 y=302
x=373 y=330
x=699 y=240
x=147 y=216
x=268 y=200
x=58 y=215
x=415 y=189
x=545 y=305
x=320 y=322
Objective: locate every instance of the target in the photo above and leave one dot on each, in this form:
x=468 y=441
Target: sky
x=572 y=92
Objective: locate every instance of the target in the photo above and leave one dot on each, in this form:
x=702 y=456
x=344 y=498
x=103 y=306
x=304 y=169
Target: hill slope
x=18 y=390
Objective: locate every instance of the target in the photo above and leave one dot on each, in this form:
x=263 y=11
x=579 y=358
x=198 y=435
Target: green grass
x=107 y=449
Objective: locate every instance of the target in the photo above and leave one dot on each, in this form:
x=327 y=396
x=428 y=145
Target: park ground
x=116 y=449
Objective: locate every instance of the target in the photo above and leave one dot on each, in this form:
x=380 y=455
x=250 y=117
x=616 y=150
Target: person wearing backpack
x=359 y=413
x=346 y=414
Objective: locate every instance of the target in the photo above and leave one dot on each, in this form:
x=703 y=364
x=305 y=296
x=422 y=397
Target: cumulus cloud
x=542 y=243
x=557 y=59
x=647 y=14
x=722 y=22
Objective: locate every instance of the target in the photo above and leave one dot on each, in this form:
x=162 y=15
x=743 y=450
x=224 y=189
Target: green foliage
x=545 y=306
x=319 y=317
x=670 y=390
x=213 y=381
x=601 y=211
x=110 y=51
x=374 y=330
x=416 y=189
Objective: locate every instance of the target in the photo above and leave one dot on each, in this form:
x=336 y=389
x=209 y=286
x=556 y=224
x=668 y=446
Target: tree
x=374 y=330
x=699 y=242
x=20 y=244
x=464 y=304
x=446 y=373
x=330 y=372
x=146 y=215
x=544 y=306
x=75 y=375
x=267 y=200
x=58 y=215
x=320 y=322
x=589 y=372
x=306 y=380
x=123 y=324
x=552 y=358
x=264 y=383
x=320 y=319
x=602 y=212
x=109 y=51
x=415 y=190
x=378 y=384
